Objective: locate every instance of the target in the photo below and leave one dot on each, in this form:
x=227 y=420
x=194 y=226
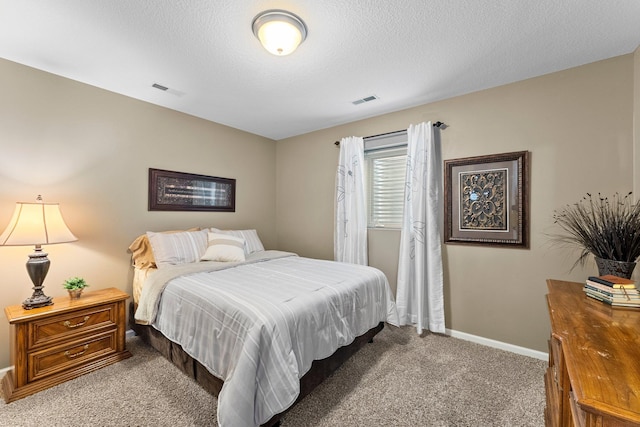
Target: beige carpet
x=400 y=379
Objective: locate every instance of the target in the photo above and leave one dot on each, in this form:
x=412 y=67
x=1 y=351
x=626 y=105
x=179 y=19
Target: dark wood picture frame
x=179 y=191
x=487 y=200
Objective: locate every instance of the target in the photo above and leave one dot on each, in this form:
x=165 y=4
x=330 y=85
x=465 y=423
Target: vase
x=74 y=293
x=616 y=268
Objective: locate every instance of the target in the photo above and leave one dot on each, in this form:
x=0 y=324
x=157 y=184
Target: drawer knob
x=70 y=326
x=80 y=353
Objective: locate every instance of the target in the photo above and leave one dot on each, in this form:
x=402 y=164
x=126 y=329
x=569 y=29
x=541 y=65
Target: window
x=385 y=165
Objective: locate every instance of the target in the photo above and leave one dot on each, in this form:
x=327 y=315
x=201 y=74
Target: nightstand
x=53 y=344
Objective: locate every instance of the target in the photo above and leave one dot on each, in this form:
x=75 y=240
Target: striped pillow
x=224 y=248
x=252 y=242
x=177 y=248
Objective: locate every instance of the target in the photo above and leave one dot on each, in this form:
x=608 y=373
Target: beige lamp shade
x=279 y=31
x=36 y=224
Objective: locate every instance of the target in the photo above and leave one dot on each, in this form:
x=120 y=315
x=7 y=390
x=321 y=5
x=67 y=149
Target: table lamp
x=36 y=224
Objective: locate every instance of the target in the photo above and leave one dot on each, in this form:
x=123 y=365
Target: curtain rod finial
x=337 y=143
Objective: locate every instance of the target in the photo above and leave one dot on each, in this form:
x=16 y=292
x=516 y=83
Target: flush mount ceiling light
x=279 y=31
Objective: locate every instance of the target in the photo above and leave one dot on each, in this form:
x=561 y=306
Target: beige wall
x=573 y=122
x=90 y=150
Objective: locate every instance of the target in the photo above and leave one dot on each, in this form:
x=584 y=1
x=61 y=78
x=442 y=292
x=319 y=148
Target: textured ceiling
x=406 y=52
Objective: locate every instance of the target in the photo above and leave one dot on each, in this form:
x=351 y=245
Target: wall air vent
x=363 y=100
x=158 y=86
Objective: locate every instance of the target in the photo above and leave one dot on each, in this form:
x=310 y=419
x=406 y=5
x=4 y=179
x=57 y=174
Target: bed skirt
x=320 y=369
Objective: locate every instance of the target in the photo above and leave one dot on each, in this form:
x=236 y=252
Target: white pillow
x=177 y=248
x=224 y=248
x=252 y=241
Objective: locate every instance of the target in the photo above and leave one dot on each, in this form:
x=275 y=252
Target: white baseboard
x=498 y=344
x=5 y=370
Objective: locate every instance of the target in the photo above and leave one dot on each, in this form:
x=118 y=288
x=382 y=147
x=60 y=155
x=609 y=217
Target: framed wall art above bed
x=487 y=200
x=179 y=191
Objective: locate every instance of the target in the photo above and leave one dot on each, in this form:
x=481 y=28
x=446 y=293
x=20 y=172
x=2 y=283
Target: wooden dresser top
x=17 y=314
x=601 y=345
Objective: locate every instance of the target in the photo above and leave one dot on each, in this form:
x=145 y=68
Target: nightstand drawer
x=50 y=330
x=70 y=355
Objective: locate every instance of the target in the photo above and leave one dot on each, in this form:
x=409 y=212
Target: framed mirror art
x=487 y=200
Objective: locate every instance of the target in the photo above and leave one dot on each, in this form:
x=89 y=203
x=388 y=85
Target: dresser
x=593 y=377
x=53 y=344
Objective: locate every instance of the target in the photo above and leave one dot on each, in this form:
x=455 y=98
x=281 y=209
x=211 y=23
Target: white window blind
x=385 y=164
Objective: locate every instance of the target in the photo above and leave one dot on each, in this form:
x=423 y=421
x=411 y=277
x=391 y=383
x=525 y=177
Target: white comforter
x=259 y=325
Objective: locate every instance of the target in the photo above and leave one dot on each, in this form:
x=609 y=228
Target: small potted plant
x=74 y=286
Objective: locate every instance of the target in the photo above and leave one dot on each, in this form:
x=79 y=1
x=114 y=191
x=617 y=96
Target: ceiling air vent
x=363 y=100
x=168 y=90
x=158 y=86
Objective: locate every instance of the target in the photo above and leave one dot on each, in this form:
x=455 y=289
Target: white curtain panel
x=420 y=298
x=350 y=236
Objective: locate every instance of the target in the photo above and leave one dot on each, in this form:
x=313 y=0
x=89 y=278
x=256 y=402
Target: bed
x=260 y=329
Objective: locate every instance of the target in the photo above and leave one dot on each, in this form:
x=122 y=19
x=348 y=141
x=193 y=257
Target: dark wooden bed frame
x=320 y=369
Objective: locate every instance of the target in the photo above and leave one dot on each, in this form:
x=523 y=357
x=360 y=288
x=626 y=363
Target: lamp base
x=36 y=301
x=37 y=267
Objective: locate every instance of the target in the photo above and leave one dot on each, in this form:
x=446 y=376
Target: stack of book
x=613 y=290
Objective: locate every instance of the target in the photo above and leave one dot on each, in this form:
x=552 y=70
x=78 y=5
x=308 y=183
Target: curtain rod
x=438 y=124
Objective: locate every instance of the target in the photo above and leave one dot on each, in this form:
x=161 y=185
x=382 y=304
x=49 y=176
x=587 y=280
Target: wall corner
x=636 y=124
